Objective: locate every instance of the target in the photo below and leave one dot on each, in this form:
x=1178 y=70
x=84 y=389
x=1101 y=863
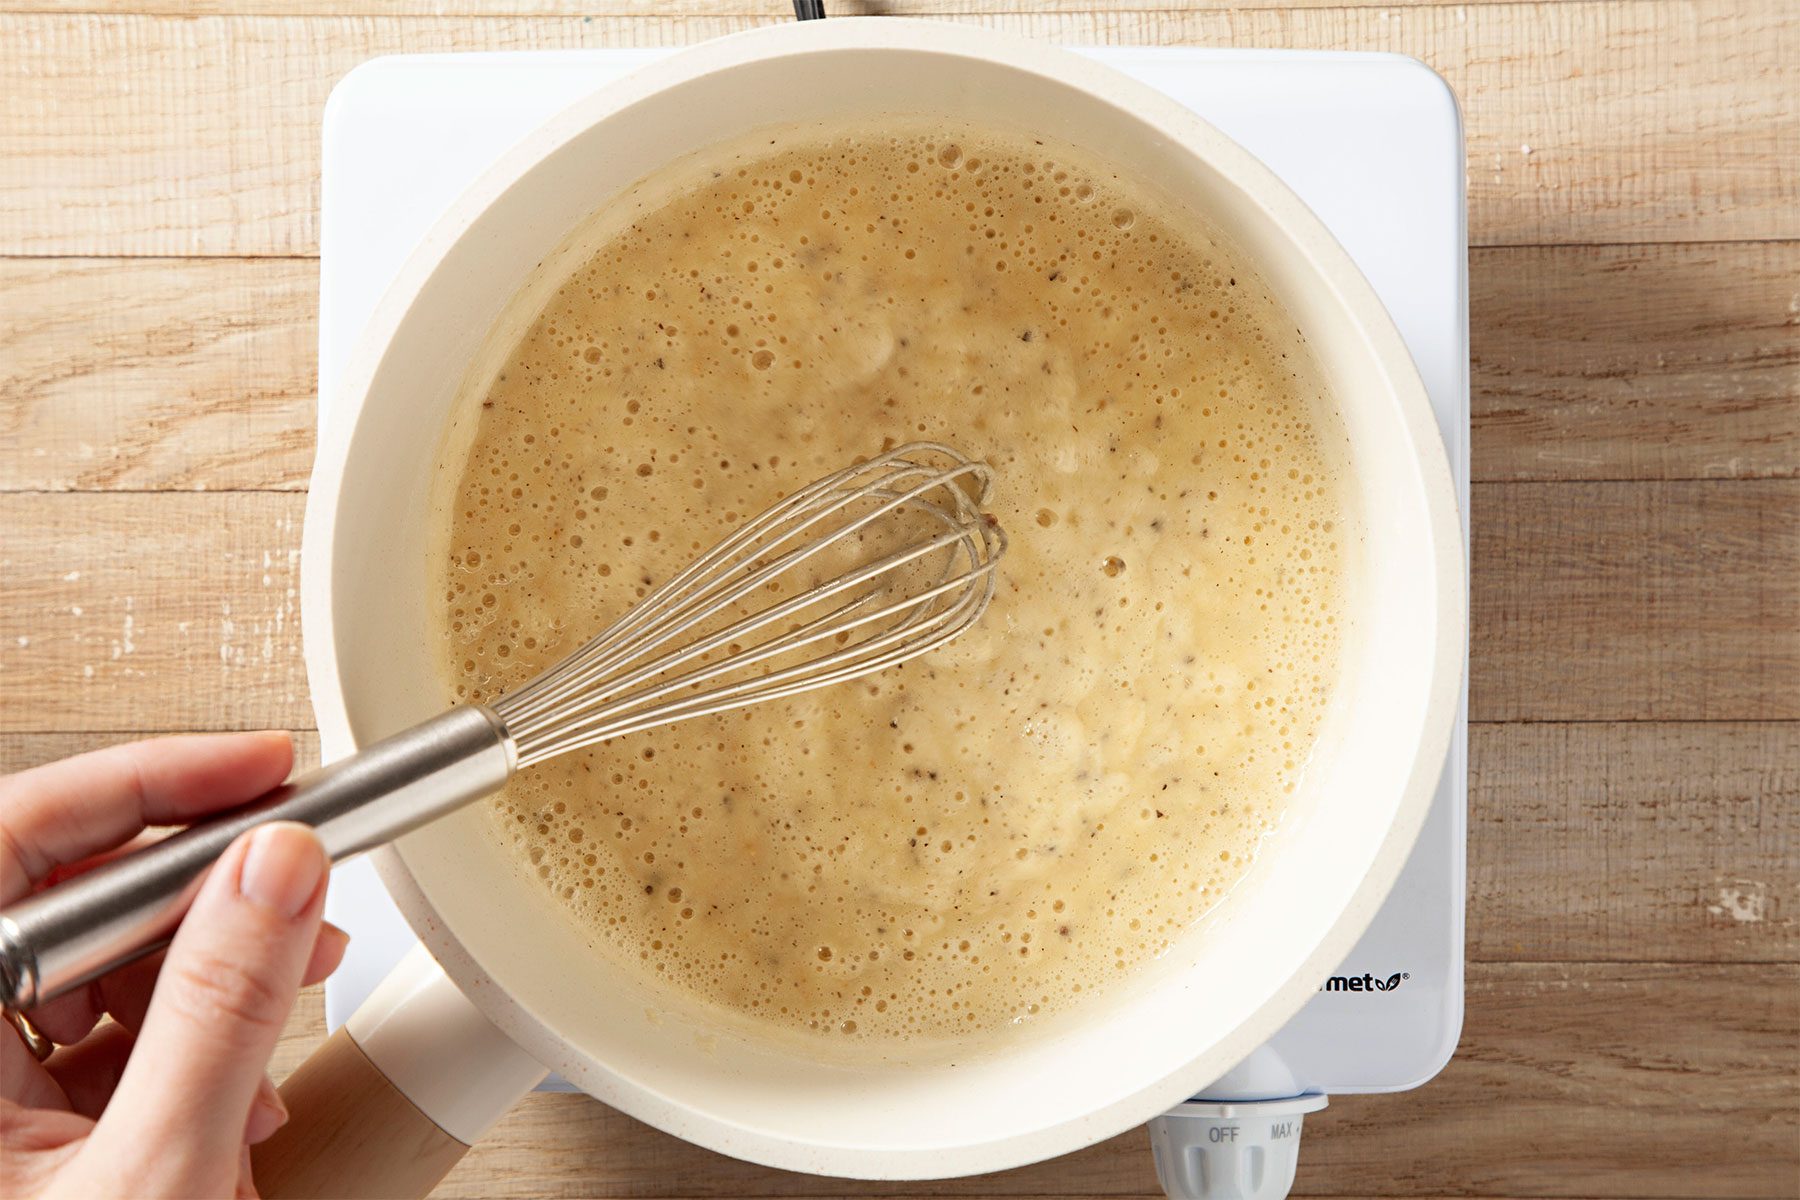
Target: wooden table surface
x=1634 y=219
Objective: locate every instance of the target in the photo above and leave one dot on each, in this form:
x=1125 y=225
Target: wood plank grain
x=202 y=138
x=147 y=374
x=1591 y=601
x=1597 y=1080
x=1590 y=362
x=1635 y=362
x=1635 y=601
x=1637 y=841
x=174 y=609
x=1613 y=1081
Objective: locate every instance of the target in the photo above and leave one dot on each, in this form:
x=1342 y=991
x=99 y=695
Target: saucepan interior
x=1186 y=1019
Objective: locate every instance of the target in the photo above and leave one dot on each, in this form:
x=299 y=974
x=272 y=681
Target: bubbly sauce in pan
x=994 y=832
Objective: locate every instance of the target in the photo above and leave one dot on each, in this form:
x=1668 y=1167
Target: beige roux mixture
x=996 y=831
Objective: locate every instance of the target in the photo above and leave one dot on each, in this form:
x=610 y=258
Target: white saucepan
x=437 y=1055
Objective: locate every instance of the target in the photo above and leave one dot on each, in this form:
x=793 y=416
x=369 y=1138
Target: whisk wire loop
x=919 y=623
x=700 y=643
x=661 y=616
x=665 y=614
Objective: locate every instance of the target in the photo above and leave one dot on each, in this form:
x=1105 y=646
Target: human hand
x=167 y=1098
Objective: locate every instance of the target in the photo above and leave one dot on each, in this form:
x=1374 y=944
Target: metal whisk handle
x=76 y=931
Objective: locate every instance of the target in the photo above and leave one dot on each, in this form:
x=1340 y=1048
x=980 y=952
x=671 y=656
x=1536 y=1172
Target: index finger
x=64 y=811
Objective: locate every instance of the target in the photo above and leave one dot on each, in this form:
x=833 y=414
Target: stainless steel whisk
x=755 y=618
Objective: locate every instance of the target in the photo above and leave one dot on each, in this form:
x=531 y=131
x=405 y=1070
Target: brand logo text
x=1365 y=983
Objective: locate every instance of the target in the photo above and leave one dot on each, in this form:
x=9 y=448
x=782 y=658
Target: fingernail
x=282 y=868
x=267 y=1114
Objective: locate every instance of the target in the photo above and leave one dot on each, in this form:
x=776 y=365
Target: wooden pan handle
x=393 y=1099
x=351 y=1133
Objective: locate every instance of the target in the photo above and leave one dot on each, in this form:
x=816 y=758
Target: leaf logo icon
x=1393 y=981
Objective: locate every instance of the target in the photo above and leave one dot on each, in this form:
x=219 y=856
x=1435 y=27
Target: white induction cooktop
x=1372 y=142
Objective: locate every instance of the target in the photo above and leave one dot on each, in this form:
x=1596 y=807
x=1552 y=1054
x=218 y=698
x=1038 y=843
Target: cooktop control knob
x=1243 y=1150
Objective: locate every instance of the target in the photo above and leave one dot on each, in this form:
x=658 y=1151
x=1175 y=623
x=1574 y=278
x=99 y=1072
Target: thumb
x=225 y=990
